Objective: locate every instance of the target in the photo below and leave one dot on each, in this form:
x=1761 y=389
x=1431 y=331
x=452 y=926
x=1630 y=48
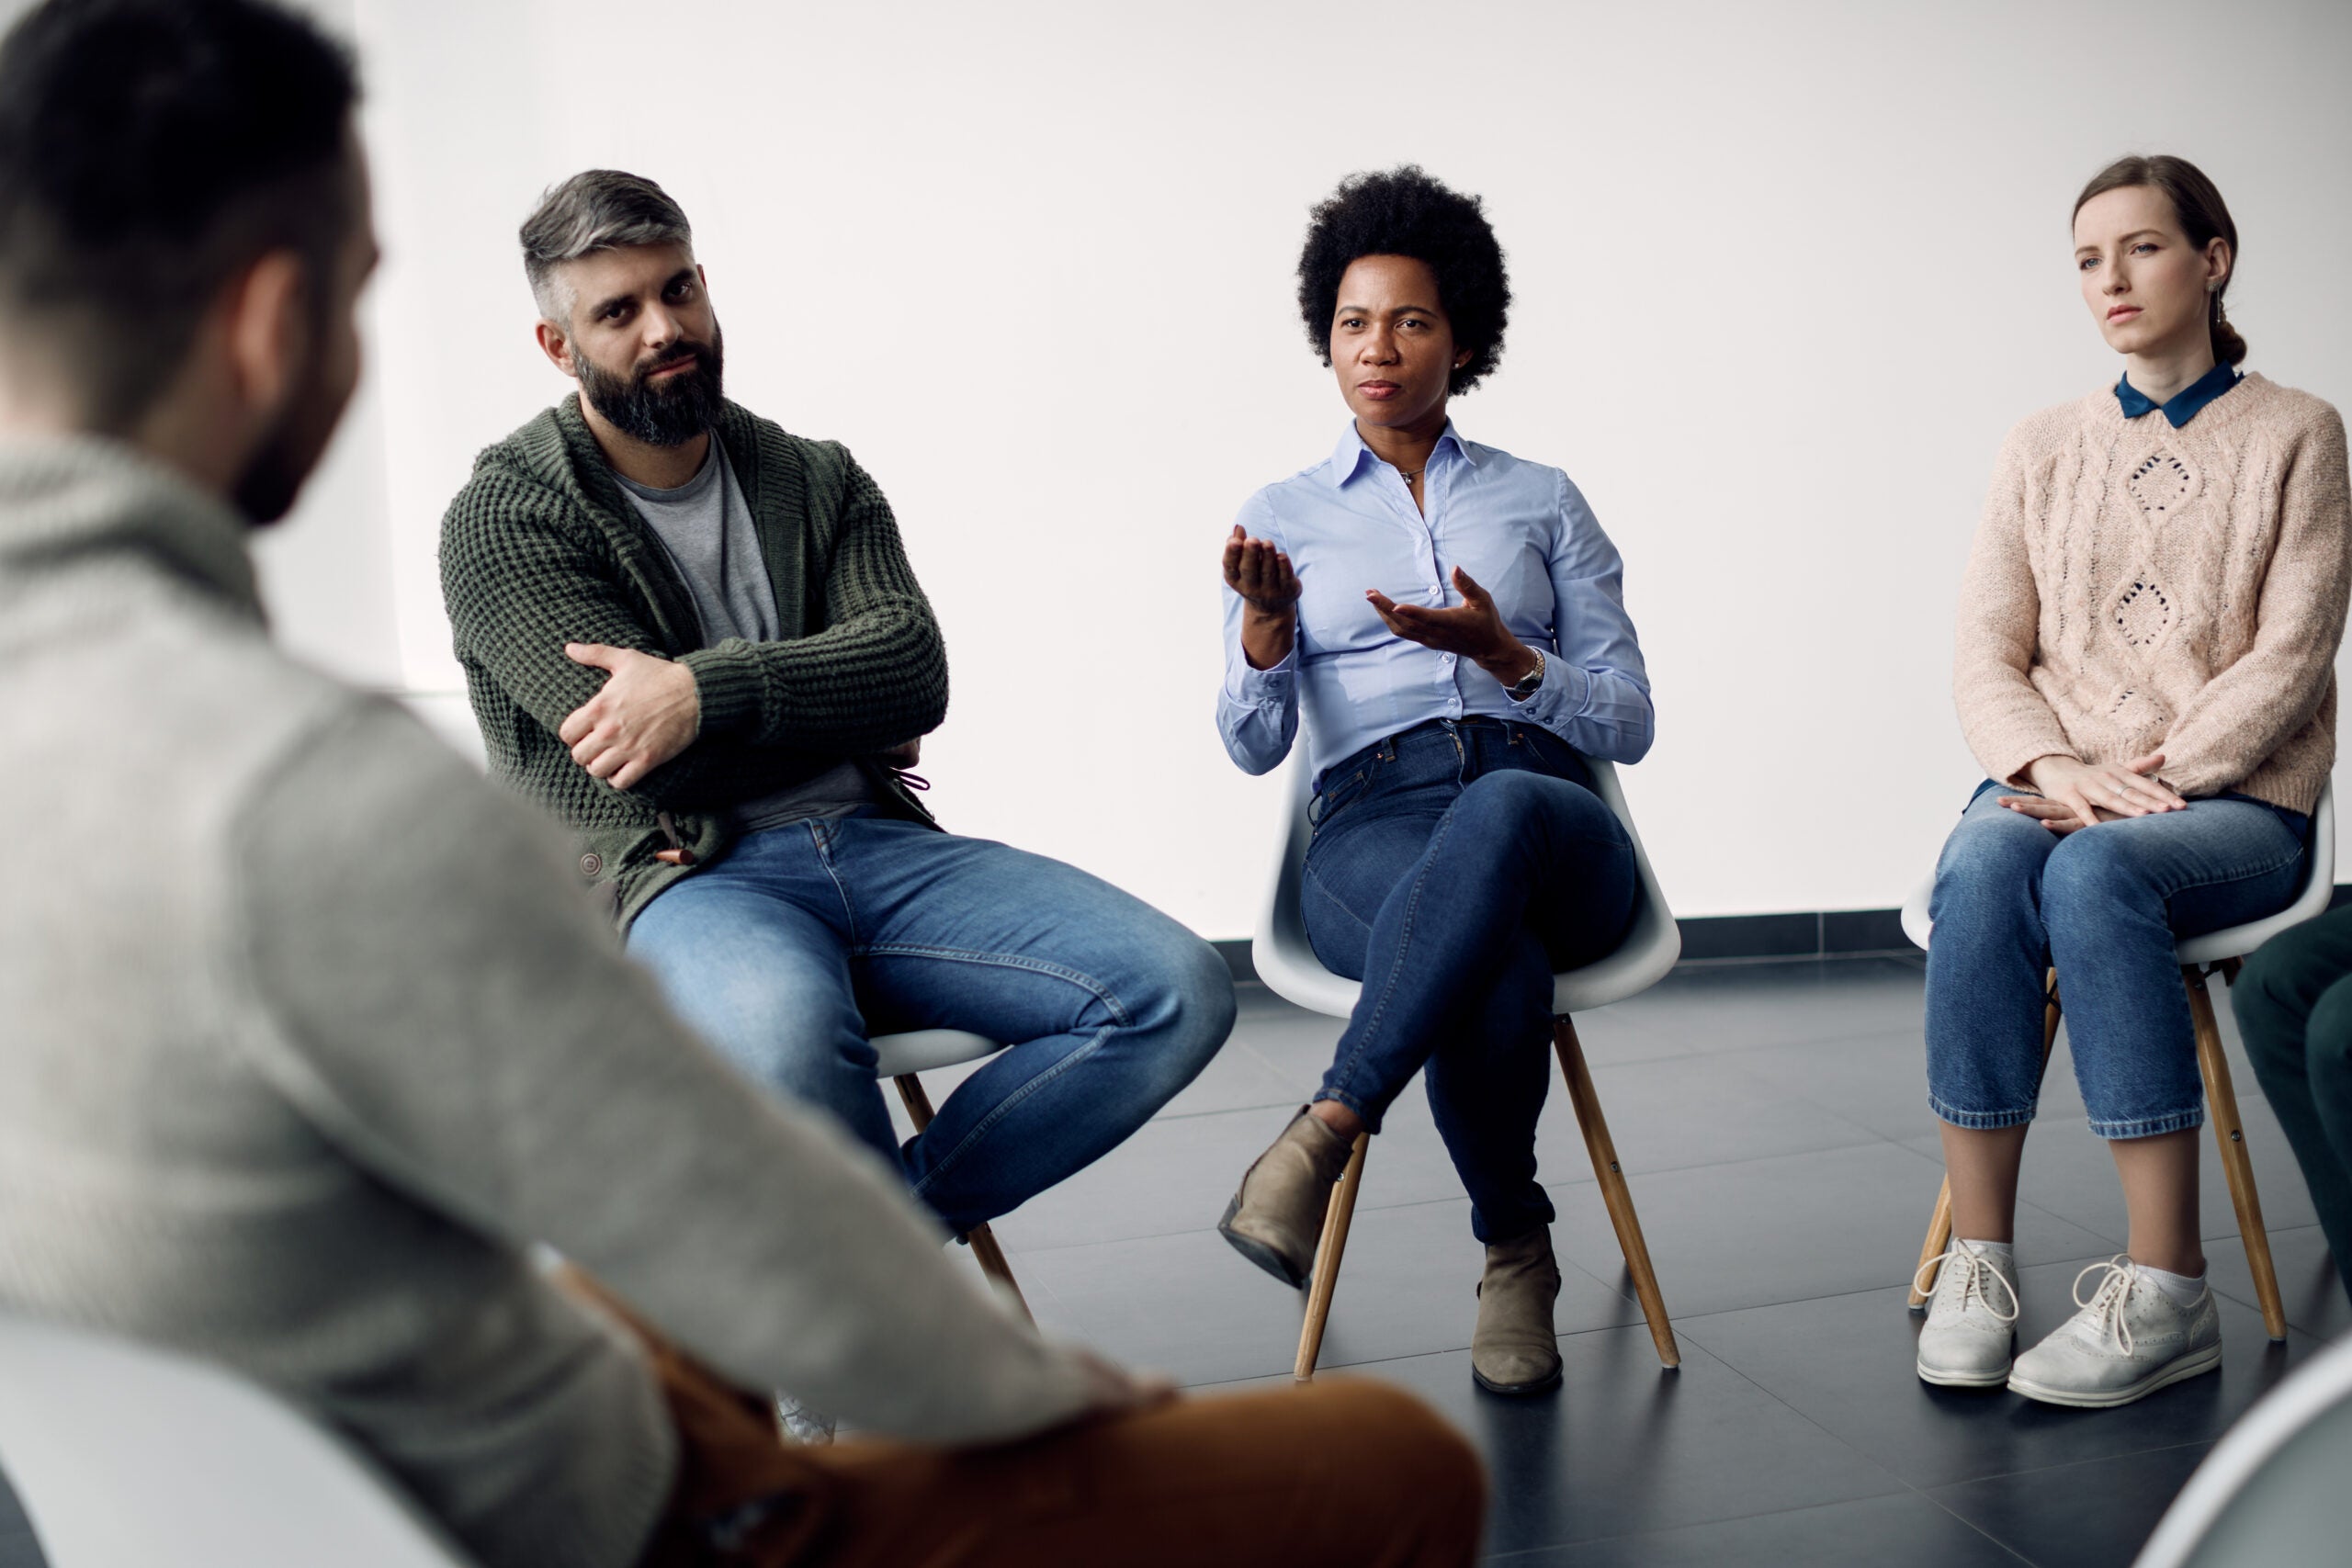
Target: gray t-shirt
x=706 y=527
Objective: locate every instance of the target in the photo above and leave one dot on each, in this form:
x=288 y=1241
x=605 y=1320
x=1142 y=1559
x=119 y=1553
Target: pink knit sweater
x=2136 y=587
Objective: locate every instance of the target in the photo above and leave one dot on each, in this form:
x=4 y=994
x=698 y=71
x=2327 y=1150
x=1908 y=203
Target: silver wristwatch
x=1528 y=681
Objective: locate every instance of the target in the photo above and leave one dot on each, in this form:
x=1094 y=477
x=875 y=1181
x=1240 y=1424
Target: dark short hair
x=148 y=149
x=2204 y=218
x=1403 y=212
x=596 y=209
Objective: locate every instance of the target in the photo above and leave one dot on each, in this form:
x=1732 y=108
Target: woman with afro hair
x=1448 y=619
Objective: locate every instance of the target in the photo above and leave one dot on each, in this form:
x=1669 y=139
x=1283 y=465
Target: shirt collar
x=2185 y=404
x=1352 y=453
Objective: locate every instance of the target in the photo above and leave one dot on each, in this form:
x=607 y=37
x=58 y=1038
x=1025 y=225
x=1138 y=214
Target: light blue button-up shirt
x=1520 y=530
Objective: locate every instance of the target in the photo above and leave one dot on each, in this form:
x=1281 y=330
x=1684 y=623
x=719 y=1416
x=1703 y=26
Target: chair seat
x=2231 y=941
x=920 y=1050
x=1286 y=962
x=123 y=1453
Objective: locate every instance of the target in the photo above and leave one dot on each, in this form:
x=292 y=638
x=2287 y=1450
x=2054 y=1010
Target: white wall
x=1786 y=273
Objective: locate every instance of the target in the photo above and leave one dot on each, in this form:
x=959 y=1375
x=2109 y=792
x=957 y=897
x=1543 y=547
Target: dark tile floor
x=1770 y=1118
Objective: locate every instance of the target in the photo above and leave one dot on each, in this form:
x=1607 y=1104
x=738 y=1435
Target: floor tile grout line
x=1917 y=1492
x=1998 y=1544
x=1862 y=1454
x=2213 y=1441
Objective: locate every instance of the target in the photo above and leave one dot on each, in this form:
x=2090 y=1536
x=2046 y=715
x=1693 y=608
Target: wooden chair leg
x=2221 y=1105
x=1939 y=1222
x=982 y=1239
x=1334 y=1246
x=1938 y=1238
x=1614 y=1191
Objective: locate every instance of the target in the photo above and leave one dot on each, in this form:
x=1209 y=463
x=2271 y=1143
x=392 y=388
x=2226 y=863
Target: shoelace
x=2105 y=1308
x=1971 y=1282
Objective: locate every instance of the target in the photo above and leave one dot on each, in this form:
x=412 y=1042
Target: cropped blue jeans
x=802 y=941
x=2105 y=905
x=1453 y=869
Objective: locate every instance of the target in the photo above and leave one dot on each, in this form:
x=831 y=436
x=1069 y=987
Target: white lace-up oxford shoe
x=1972 y=1316
x=2128 y=1341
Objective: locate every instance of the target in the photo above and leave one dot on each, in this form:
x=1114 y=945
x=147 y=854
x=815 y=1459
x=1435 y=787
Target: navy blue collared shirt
x=2185 y=404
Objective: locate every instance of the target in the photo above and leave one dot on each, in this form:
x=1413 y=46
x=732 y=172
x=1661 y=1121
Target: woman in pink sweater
x=2146 y=669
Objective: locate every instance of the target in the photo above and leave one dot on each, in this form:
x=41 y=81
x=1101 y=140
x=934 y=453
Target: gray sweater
x=306 y=1036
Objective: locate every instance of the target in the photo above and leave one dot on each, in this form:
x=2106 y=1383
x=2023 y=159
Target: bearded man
x=697 y=640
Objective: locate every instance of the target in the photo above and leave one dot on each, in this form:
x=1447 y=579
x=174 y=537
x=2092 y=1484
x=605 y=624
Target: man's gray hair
x=599 y=210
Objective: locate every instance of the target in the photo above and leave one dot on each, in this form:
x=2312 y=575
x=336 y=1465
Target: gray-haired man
x=696 y=639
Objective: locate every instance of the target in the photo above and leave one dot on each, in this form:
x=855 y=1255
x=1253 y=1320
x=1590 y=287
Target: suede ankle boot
x=1514 y=1349
x=1276 y=1219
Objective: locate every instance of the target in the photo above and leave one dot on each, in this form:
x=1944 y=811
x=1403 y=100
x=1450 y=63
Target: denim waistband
x=1434 y=730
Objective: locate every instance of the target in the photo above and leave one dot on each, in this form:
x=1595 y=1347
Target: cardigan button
x=591 y=864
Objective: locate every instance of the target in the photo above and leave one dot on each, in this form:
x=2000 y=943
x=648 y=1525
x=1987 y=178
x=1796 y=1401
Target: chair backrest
x=1280 y=953
x=2233 y=942
x=126 y=1457
x=2273 y=1490
x=1286 y=962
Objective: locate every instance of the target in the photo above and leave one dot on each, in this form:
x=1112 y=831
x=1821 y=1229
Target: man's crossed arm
x=646 y=712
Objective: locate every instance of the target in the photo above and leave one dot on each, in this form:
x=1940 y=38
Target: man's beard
x=266 y=488
x=668 y=413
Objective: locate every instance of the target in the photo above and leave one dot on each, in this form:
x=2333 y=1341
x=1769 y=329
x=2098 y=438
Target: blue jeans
x=1452 y=868
x=799 y=941
x=2105 y=905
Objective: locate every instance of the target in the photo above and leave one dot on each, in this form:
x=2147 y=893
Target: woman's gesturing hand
x=1473 y=630
x=2077 y=795
x=1260 y=573
x=1263 y=576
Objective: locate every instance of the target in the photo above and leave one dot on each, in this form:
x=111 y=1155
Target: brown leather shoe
x=1276 y=1219
x=1514 y=1349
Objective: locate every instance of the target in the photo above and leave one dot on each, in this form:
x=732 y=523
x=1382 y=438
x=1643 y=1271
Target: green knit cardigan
x=541 y=548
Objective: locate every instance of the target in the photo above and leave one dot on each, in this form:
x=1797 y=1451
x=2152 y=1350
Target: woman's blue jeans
x=2105 y=905
x=1452 y=868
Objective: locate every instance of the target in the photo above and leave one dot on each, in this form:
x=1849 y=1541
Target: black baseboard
x=1834 y=933
x=1824 y=933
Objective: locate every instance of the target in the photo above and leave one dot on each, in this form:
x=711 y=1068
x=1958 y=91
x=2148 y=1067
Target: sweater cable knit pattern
x=541 y=548
x=2134 y=588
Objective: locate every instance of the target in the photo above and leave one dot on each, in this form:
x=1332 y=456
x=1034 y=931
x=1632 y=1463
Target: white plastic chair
x=920 y=1051
x=2273 y=1491
x=2197 y=955
x=1286 y=962
x=125 y=1456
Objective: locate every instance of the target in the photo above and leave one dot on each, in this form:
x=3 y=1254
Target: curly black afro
x=1403 y=212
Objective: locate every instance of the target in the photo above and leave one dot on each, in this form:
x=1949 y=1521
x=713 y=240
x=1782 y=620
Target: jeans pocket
x=1554 y=756
x=1336 y=795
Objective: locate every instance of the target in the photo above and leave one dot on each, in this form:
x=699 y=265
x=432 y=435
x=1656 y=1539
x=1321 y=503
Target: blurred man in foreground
x=304 y=1040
